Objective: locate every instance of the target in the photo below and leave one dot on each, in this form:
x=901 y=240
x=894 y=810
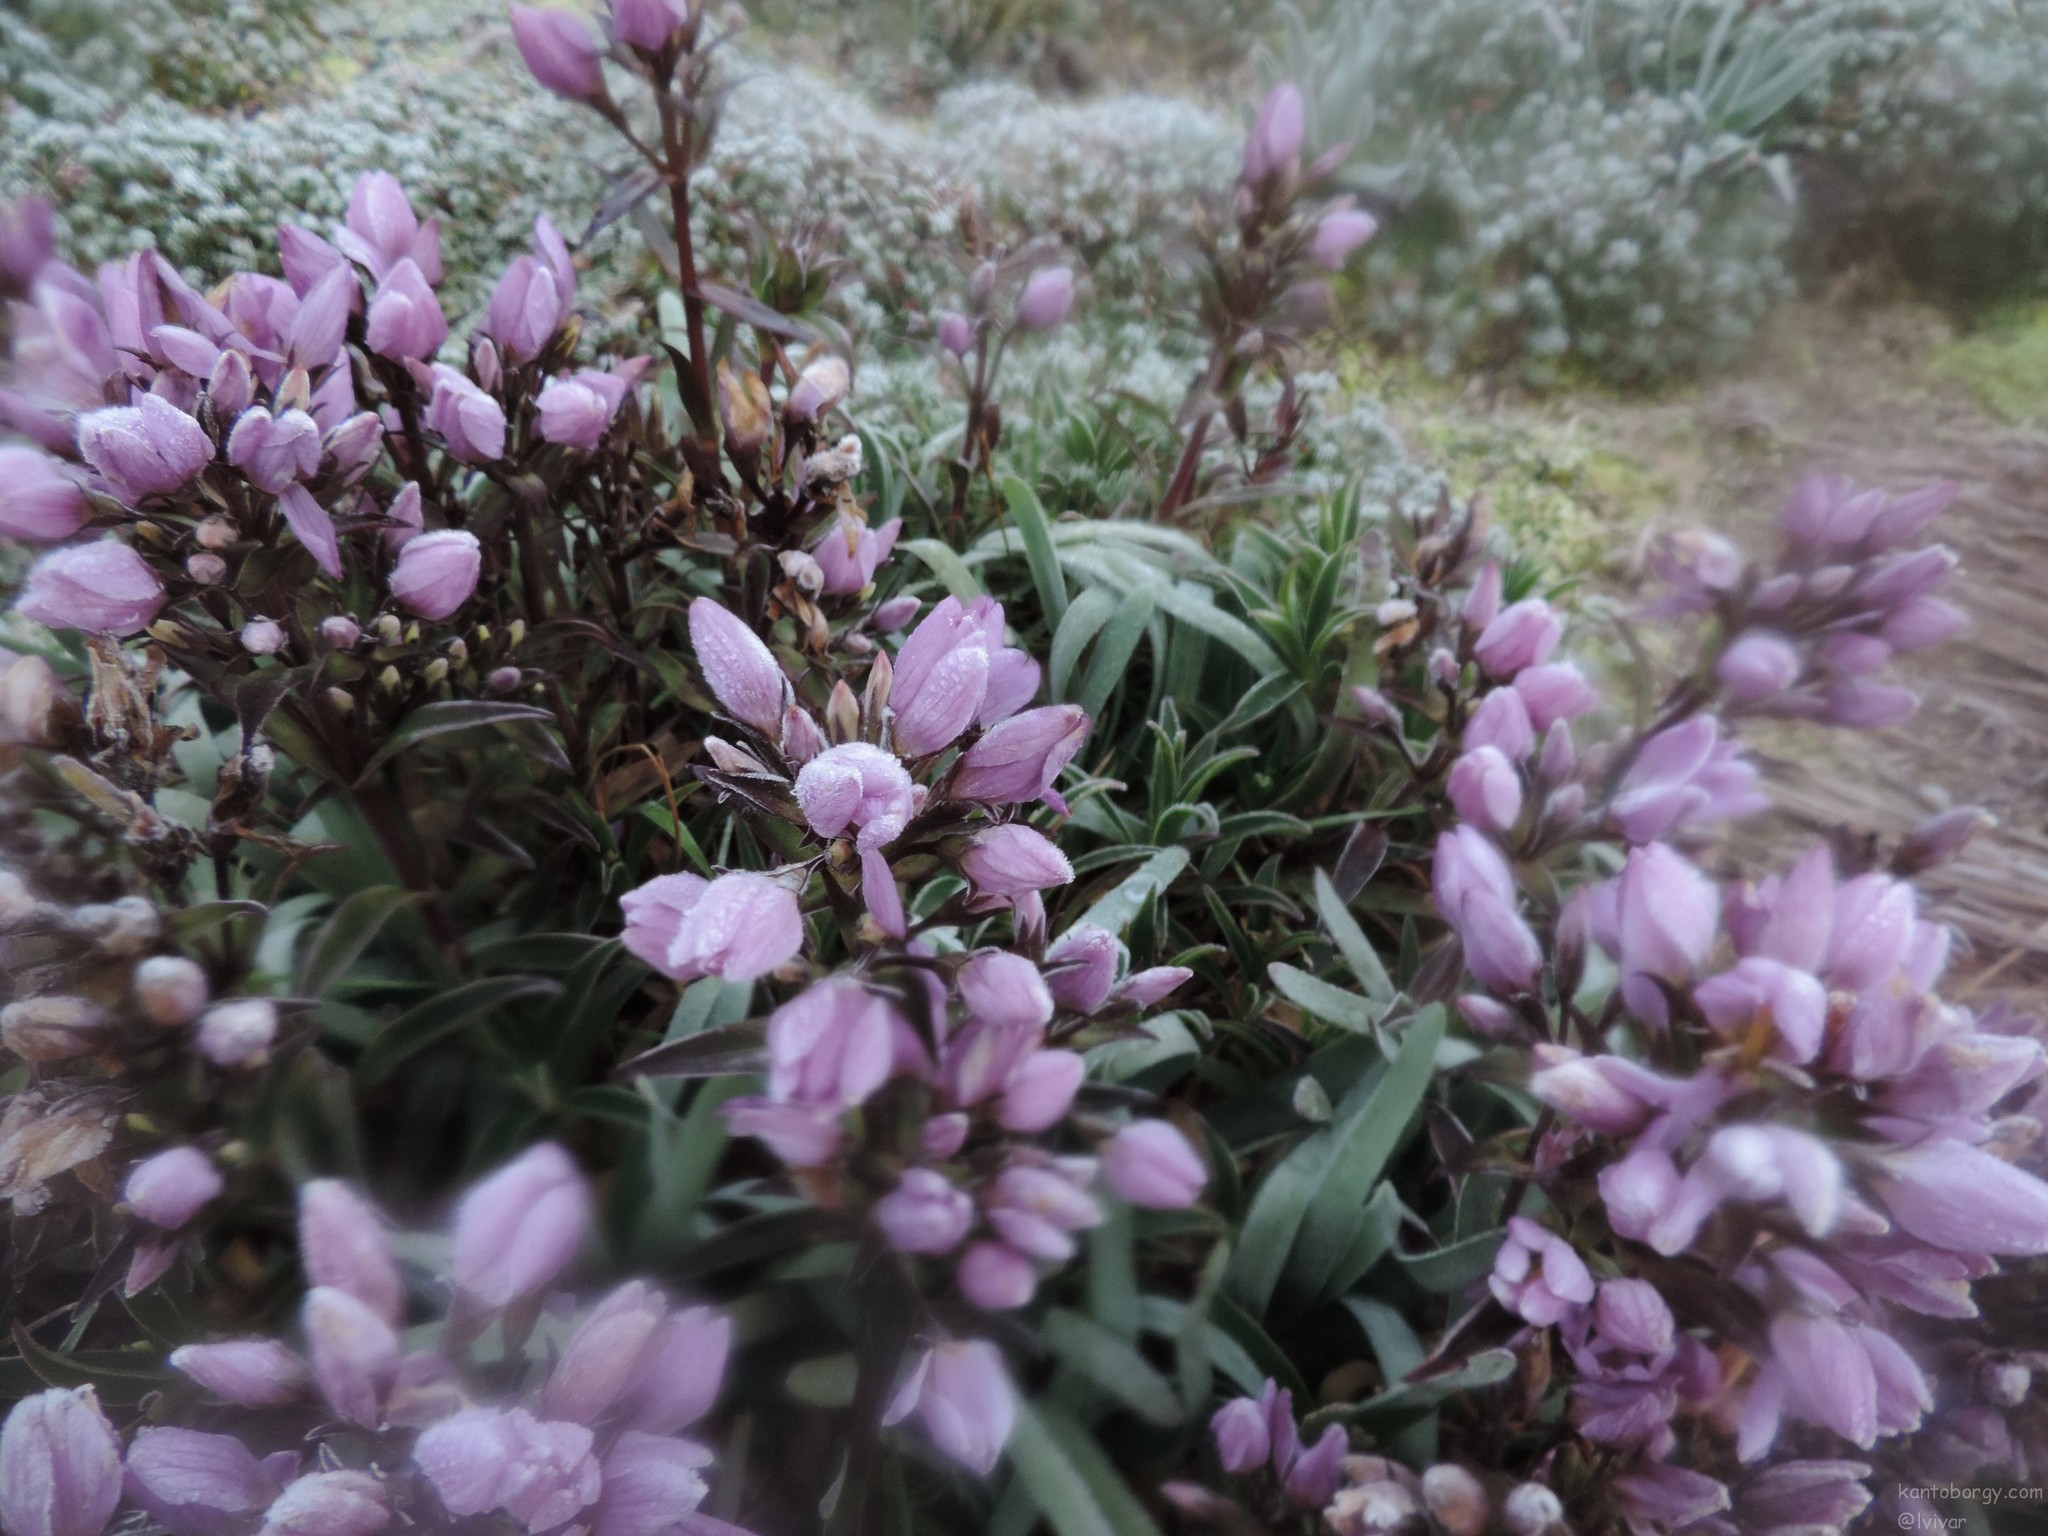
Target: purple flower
x=103 y=588
x=1959 y=1197
x=1012 y=861
x=196 y=1484
x=148 y=449
x=1794 y=1003
x=1667 y=916
x=1239 y=1429
x=962 y=1395
x=1039 y=1091
x=1315 y=1475
x=604 y=1355
x=576 y=410
x=940 y=678
x=1274 y=143
x=238 y=1033
x=1021 y=758
x=850 y=553
x=821 y=386
x=832 y=1044
x=650 y=1482
x=859 y=786
x=60 y=1465
x=309 y=521
x=1485 y=789
x=1081 y=967
x=1141 y=989
x=405 y=317
x=648 y=24
x=518 y=1229
x=274 y=451
x=1538 y=1276
x=39 y=498
x=343 y=1244
x=329 y=1504
x=739 y=927
x=1501 y=722
x=250 y=1373
x=681 y=1372
x=1475 y=892
x=740 y=671
x=1005 y=990
x=28 y=241
x=956 y=333
x=436 y=572
x=1922 y=622
x=382 y=229
x=1608 y=1094
x=1521 y=635
x=1758 y=666
x=470 y=422
x=1553 y=691
x=996 y=1277
x=354 y=1353
x=320 y=323
x=306 y=259
x=1630 y=1315
x=526 y=309
x=1047 y=300
x=1149 y=1163
x=540 y=1472
x=1340 y=233
x=560 y=52
x=168 y=1190
x=802 y=1135
x=924 y=1213
x=1870 y=933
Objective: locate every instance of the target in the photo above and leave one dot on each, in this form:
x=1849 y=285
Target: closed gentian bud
x=103 y=588
x=1959 y=1197
x=340 y=633
x=962 y=1395
x=956 y=333
x=1314 y=1477
x=525 y=309
x=1922 y=622
x=352 y=445
x=1532 y=1510
x=604 y=1354
x=1239 y=1429
x=1021 y=758
x=60 y=1466
x=28 y=242
x=741 y=672
x=1047 y=300
x=262 y=637
x=996 y=1277
x=560 y=51
x=1274 y=143
x=343 y=1244
x=167 y=1190
x=832 y=1044
x=148 y=449
x=1485 y=789
x=1828 y=1376
x=321 y=323
x=856 y=787
x=171 y=989
x=238 y=1033
x=1632 y=1316
x=1502 y=722
x=1005 y=990
x=471 y=423
x=229 y=388
x=651 y=1483
x=1141 y=989
x=1553 y=692
x=739 y=926
x=575 y=411
x=850 y=570
x=1011 y=861
x=1081 y=967
x=353 y=1351
x=436 y=572
x=518 y=1229
x=250 y=1373
x=1668 y=913
x=1456 y=1500
x=1039 y=1091
x=1339 y=234
x=207 y=570
x=924 y=1213
x=894 y=614
x=1758 y=666
x=820 y=387
x=196 y=1484
x=682 y=1372
x=39 y=499
x=1150 y=1163
x=1521 y=635
x=329 y=1504
x=404 y=516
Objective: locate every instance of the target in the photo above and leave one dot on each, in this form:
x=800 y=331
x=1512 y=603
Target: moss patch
x=2004 y=364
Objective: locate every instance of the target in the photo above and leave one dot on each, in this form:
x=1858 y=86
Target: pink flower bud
x=1141 y=989
x=340 y=633
x=924 y=1213
x=819 y=388
x=1758 y=666
x=168 y=1189
x=1315 y=1475
x=1081 y=967
x=682 y=1371
x=321 y=322
x=1521 y=635
x=956 y=333
x=741 y=672
x=407 y=522
x=1485 y=789
x=832 y=1044
x=1555 y=691
x=405 y=318
x=148 y=449
x=525 y=310
x=103 y=588
x=329 y=1504
x=262 y=637
x=39 y=498
x=188 y=1481
x=470 y=422
x=1339 y=234
x=28 y=242
x=1040 y=1091
x=518 y=1229
x=60 y=1465
x=1239 y=1430
x=503 y=679
x=343 y=1244
x=648 y=24
x=575 y=411
x=354 y=1353
x=852 y=569
x=1274 y=144
x=250 y=1373
x=1021 y=758
x=560 y=52
x=858 y=787
x=1005 y=990
x=962 y=1395
x=739 y=926
x=996 y=1277
x=306 y=258
x=1149 y=1163
x=802 y=1135
x=604 y=1355
x=274 y=451
x=650 y=1482
x=1456 y=1500
x=1921 y=622
x=239 y=1032
x=895 y=613
x=1047 y=300
x=1961 y=1198
x=170 y=989
x=437 y=572
x=1502 y=722
x=1532 y=1510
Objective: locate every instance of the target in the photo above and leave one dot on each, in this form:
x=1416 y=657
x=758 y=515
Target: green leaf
x=1352 y=943
x=1333 y=1004
x=1394 y=1343
x=1115 y=909
x=1036 y=532
x=1088 y=613
x=1373 y=1241
x=121 y=1377
x=945 y=565
x=718 y=1052
x=1113 y=651
x=1073 y=1483
x=445 y=716
x=1112 y=1364
x=1452 y=1268
x=421 y=1026
x=351 y=929
x=1406 y=1399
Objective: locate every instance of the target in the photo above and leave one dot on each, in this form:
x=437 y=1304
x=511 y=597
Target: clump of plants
x=591 y=949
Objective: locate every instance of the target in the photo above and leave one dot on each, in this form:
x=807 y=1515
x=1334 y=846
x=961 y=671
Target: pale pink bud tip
x=103 y=588
x=60 y=1466
x=1151 y=1164
x=437 y=572
x=168 y=1190
x=560 y=51
x=739 y=926
x=962 y=1395
x=740 y=670
x=1047 y=300
x=516 y=1231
